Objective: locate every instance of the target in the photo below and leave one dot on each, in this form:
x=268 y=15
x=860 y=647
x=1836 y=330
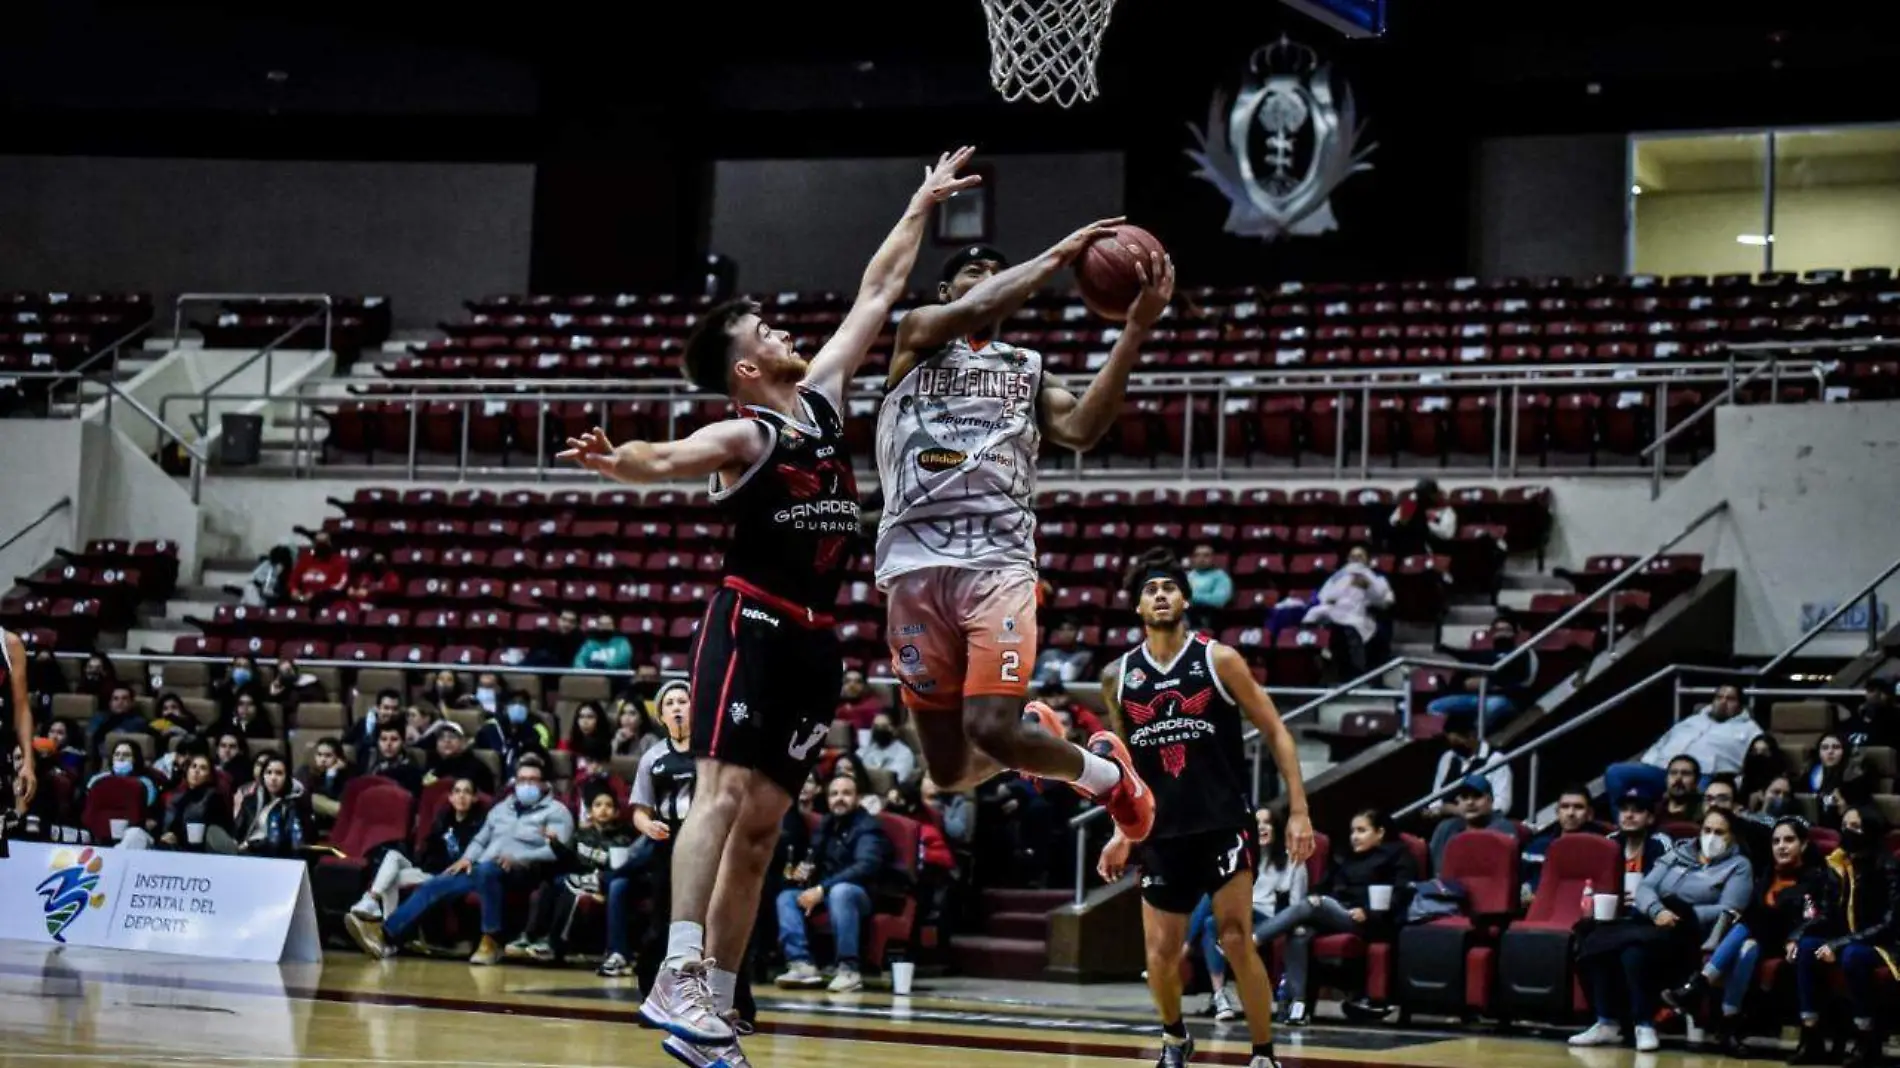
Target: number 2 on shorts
x=1012 y=666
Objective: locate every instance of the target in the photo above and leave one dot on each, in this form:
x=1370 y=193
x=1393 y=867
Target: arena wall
x=117 y=492
x=1549 y=206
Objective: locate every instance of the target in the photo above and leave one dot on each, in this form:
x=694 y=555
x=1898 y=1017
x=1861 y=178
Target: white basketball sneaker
x=726 y=1056
x=681 y=1004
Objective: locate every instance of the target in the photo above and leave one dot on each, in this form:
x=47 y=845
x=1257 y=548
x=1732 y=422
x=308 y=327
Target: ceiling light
x=1754 y=239
x=1636 y=190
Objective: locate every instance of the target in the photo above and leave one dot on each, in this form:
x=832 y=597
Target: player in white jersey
x=957 y=437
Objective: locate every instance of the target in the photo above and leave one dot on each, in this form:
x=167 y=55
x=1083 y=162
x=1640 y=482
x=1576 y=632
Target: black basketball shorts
x=1177 y=872
x=765 y=683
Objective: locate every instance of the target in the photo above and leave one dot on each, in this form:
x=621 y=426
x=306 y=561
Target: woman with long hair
x=1762 y=764
x=272 y=821
x=197 y=801
x=1830 y=777
x=590 y=739
x=1865 y=914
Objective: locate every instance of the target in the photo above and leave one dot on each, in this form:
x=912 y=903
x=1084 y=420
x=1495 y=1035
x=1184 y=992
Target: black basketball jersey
x=795 y=511
x=1184 y=736
x=670 y=778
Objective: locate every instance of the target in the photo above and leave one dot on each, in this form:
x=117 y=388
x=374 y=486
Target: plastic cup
x=1632 y=880
x=1605 y=906
x=1379 y=897
x=195 y=833
x=118 y=829
x=617 y=857
x=903 y=973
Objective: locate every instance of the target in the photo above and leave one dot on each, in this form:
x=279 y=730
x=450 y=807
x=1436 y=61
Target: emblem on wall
x=1289 y=139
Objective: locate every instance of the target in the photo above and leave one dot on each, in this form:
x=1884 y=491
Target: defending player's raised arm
x=1231 y=668
x=994 y=299
x=885 y=278
x=732 y=445
x=1080 y=422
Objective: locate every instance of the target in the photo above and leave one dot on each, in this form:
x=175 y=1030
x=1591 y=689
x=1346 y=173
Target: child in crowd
x=577 y=874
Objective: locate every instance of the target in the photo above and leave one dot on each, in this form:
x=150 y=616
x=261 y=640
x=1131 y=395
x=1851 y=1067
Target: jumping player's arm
x=730 y=445
x=1078 y=423
x=22 y=719
x=928 y=328
x=1231 y=668
x=884 y=279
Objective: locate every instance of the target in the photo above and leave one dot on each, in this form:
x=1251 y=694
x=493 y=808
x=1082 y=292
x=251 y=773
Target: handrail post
x=415 y=430
x=1530 y=797
x=1187 y=441
x=1365 y=432
x=1497 y=430
x=1081 y=872
x=1873 y=619
x=1484 y=699
x=1220 y=431
x=1339 y=436
x=1675 y=702
x=541 y=440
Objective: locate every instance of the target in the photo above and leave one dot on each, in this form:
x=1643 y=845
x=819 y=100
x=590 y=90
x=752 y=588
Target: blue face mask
x=122 y=767
x=240 y=676
x=528 y=793
x=517 y=714
x=485 y=696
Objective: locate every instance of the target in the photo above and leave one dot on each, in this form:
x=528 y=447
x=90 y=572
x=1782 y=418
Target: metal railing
x=1869 y=590
x=178 y=308
x=1214 y=406
x=88 y=366
x=63 y=502
x=268 y=354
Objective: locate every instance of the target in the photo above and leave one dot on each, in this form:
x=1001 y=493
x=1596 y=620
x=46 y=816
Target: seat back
x=906 y=838
x=373 y=811
x=1322 y=858
x=115 y=797
x=1485 y=862
x=1573 y=861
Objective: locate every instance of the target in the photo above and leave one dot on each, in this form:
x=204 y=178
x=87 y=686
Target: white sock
x=685 y=941
x=1099 y=774
x=724 y=983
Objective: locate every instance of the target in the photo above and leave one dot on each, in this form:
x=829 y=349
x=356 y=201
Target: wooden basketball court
x=85 y=1006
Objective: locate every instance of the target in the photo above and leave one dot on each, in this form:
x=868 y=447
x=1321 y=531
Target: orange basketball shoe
x=1130 y=804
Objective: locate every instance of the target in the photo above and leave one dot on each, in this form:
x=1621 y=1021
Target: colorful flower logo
x=70 y=889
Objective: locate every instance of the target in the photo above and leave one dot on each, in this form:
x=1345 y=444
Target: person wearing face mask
x=580 y=871
x=127 y=761
x=1866 y=910
x=269 y=583
x=1784 y=909
x=510 y=852
x=291 y=686
x=1346 y=603
x=1774 y=800
x=1625 y=966
x=888 y=752
x=516 y=731
x=374 y=583
x=1762 y=765
x=487 y=694
x=320 y=575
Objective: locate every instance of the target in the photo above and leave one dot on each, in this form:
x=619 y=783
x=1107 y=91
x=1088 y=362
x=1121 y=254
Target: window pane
x=1837 y=198
x=1700 y=206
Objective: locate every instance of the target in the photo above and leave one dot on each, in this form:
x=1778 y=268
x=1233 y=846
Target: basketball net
x=1045 y=50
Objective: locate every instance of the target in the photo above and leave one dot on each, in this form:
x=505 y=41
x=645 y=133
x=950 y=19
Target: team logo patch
x=1009 y=635
x=70 y=890
x=738 y=712
x=941 y=459
x=1135 y=678
x=1174 y=759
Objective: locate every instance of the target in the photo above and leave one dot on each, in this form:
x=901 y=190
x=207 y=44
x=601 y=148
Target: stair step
x=164 y=623
x=141 y=639
x=987 y=957
x=179 y=609
x=1026 y=926
x=1000 y=900
x=206 y=592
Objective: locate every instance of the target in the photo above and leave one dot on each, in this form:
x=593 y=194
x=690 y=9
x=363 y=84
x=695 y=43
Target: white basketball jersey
x=956 y=455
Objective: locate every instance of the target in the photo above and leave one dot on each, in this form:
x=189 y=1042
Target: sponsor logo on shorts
x=920 y=685
x=1010 y=635
x=910 y=630
x=1134 y=678
x=738 y=712
x=759 y=614
x=801 y=749
x=1152 y=880
x=941 y=459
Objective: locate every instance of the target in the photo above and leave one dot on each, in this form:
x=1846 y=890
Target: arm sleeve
x=1444 y=525
x=643 y=792
x=1648 y=901
x=1735 y=894
x=905 y=764
x=1221 y=590
x=479 y=844
x=1664 y=749
x=1502 y=782
x=957 y=811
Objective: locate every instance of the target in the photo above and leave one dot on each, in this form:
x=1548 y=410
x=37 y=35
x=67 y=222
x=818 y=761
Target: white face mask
x=1714 y=846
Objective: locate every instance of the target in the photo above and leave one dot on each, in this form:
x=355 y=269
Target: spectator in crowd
x=1465 y=755
x=171 y=719
x=1506 y=692
x=1864 y=909
x=1277 y=885
x=319 y=575
x=858 y=704
x=63 y=746
x=329 y=773
x=605 y=648
x=120 y=716
x=387 y=711
x=291 y=686
x=127 y=761
x=240 y=674
x=97 y=677
x=1346 y=604
x=1064 y=659
x=515 y=732
x=1782 y=910
x=269 y=584
x=1718 y=736
x=1762 y=765
x=246 y=717
x=1626 y=966
x=954 y=812
x=454 y=827
x=232 y=757
x=559 y=647
x=1877 y=721
x=244 y=792
x=1772 y=802
x=1833 y=779
x=196 y=801
x=392 y=760
x=420 y=724
x=442 y=691
x=487 y=695
x=579 y=870
x=1636 y=831
x=453 y=760
x=1210 y=587
x=1573 y=817
x=511 y=851
x=631 y=737
x=273 y=821
x=887 y=752
x=1751 y=834
x=1423 y=523
x=1476 y=813
x=373 y=582
x=589 y=739
x=662 y=796
x=949 y=819
x=1341 y=903
x=644 y=688
x=1682 y=791
x=849 y=853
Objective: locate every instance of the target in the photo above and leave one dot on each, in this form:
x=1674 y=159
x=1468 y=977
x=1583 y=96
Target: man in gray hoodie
x=511 y=846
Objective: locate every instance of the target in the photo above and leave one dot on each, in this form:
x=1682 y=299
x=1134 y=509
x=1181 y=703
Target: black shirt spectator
x=1877 y=720
x=1573 y=817
x=387 y=711
x=557 y=647
x=198 y=800
x=324 y=782
x=452 y=760
x=392 y=760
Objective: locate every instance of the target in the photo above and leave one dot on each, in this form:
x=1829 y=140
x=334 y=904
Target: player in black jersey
x=766 y=665
x=16 y=718
x=1178 y=699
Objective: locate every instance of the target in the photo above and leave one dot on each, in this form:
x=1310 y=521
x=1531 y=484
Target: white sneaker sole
x=653 y=1019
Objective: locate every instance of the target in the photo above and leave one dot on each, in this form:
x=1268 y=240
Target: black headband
x=973 y=254
x=1171 y=574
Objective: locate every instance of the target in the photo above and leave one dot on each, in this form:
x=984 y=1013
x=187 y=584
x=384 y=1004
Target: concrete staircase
x=132 y=363
x=1014 y=940
x=157 y=631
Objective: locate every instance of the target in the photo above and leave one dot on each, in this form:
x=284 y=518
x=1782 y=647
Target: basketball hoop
x=1046 y=49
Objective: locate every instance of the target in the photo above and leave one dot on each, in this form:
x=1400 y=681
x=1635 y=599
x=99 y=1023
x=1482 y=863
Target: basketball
x=1105 y=272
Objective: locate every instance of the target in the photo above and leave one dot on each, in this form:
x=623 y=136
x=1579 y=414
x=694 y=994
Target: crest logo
x=70 y=890
x=1134 y=678
x=1288 y=140
x=1174 y=759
